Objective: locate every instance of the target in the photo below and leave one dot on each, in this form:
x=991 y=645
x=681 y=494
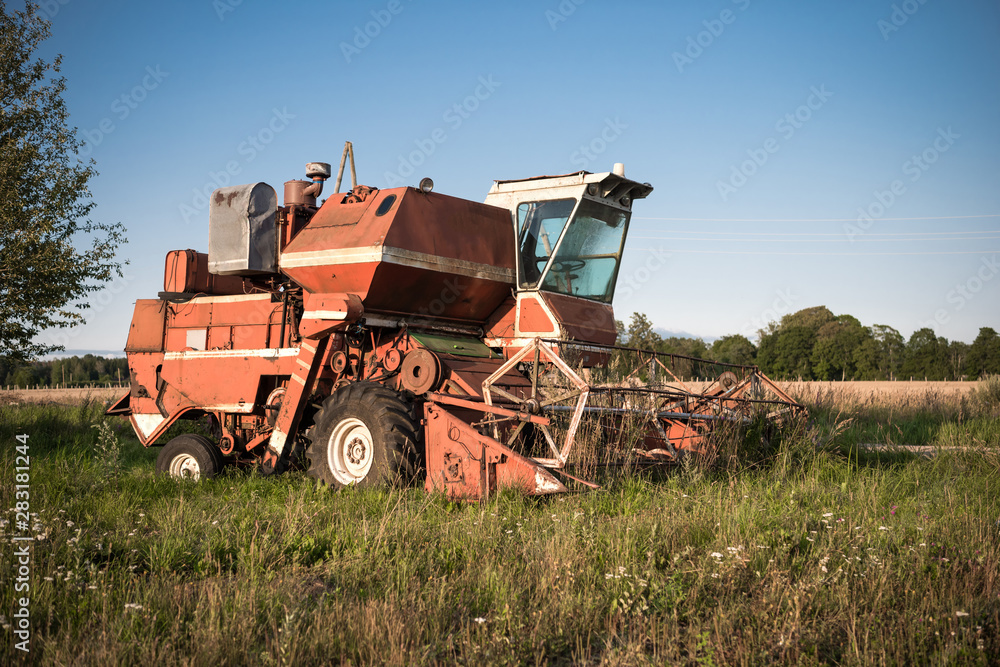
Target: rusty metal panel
x=531 y=316
x=186 y=271
x=192 y=378
x=241 y=230
x=146 y=332
x=582 y=319
x=455 y=257
x=465 y=464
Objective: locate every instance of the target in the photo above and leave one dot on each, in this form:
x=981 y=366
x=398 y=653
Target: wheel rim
x=185 y=466
x=351 y=451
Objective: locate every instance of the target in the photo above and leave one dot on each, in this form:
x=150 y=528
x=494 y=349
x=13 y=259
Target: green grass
x=819 y=557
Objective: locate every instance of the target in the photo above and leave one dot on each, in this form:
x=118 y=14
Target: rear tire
x=190 y=456
x=363 y=436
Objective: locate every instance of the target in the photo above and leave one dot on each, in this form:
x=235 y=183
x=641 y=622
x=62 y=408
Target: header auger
x=397 y=335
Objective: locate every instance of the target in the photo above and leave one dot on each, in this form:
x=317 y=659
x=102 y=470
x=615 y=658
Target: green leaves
x=50 y=252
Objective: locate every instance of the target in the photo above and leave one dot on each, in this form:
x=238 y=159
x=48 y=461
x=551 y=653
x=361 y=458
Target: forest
x=811 y=344
x=71 y=371
x=815 y=344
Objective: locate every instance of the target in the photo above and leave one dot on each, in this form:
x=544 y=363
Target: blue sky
x=803 y=153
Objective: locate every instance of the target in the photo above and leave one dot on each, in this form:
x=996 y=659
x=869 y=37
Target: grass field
x=823 y=554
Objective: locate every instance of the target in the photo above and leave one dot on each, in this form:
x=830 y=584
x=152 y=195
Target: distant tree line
x=815 y=344
x=69 y=371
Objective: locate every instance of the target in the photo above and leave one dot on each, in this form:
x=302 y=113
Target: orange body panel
x=405 y=252
x=532 y=318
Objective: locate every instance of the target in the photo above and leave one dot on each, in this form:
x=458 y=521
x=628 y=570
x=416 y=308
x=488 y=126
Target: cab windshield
x=570 y=253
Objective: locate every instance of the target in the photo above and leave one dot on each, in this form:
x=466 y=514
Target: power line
x=829 y=254
x=770 y=240
x=866 y=234
x=939 y=217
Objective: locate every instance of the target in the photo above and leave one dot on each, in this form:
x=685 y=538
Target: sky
x=803 y=153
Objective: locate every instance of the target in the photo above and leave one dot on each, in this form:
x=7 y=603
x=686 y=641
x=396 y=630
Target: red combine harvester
x=397 y=334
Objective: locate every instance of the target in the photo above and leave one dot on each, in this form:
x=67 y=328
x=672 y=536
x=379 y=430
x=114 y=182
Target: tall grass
x=804 y=556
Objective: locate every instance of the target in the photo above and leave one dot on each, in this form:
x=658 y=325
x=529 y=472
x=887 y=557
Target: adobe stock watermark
x=596 y=147
x=562 y=12
x=49 y=8
x=122 y=107
x=782 y=305
x=697 y=43
x=786 y=127
x=370 y=30
x=454 y=116
x=634 y=281
x=247 y=151
x=964 y=292
x=899 y=16
x=95 y=304
x=223 y=7
x=915 y=167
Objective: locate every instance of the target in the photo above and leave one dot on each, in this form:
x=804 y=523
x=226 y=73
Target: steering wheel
x=567 y=265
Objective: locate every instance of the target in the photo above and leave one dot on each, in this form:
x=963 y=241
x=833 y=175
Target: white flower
x=130 y=605
x=479 y=619
x=961 y=613
x=828 y=514
x=715 y=554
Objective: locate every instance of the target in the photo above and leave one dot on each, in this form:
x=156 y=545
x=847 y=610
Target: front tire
x=364 y=436
x=190 y=456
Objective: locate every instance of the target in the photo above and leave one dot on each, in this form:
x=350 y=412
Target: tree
x=834 y=351
x=880 y=356
x=45 y=202
x=640 y=333
x=734 y=349
x=926 y=356
x=983 y=357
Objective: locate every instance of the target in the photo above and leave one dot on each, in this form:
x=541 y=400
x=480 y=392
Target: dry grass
x=810 y=557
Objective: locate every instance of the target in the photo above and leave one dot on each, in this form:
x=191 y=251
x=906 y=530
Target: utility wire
x=866 y=234
x=939 y=217
x=828 y=254
x=866 y=240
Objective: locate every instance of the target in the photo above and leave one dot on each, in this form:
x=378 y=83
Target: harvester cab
x=401 y=334
x=570 y=233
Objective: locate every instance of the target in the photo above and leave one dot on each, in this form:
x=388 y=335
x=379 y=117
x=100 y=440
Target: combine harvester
x=393 y=335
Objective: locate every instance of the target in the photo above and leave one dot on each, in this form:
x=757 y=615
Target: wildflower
x=961 y=613
x=131 y=605
x=828 y=514
x=479 y=619
x=882 y=528
x=715 y=554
